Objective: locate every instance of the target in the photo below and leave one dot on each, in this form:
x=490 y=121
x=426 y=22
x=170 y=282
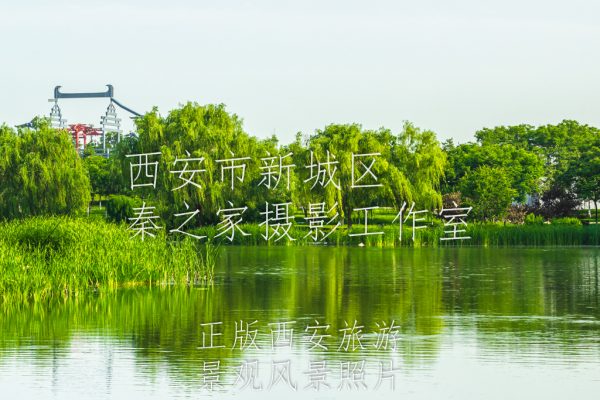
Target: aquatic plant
x=60 y=256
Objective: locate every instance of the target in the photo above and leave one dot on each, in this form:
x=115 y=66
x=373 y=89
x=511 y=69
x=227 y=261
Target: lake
x=462 y=323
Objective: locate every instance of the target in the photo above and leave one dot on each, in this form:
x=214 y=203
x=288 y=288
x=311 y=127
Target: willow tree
x=212 y=134
x=397 y=168
x=340 y=143
x=408 y=166
x=421 y=162
x=40 y=173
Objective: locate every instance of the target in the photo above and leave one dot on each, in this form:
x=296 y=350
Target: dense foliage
x=408 y=165
x=40 y=173
x=506 y=173
x=552 y=168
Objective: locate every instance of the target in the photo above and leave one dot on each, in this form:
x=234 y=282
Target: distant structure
x=84 y=134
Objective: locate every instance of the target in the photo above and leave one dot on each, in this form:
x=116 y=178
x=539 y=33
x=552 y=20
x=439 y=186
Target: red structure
x=81 y=133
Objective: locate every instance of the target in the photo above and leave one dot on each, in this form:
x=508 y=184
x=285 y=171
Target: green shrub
x=120 y=207
x=55 y=234
x=566 y=221
x=532 y=219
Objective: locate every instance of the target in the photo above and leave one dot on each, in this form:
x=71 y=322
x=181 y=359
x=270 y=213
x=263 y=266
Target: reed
x=481 y=234
x=42 y=258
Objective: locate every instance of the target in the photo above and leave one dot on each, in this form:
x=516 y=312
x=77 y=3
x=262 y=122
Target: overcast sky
x=449 y=66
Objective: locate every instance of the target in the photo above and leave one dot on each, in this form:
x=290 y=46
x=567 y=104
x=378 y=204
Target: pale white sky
x=449 y=66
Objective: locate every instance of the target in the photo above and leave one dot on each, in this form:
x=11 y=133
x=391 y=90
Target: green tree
x=99 y=174
x=488 y=190
x=561 y=147
x=523 y=168
x=40 y=173
x=420 y=158
x=408 y=166
x=211 y=133
x=586 y=174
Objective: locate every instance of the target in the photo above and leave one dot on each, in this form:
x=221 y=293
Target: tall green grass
x=49 y=257
x=535 y=235
x=482 y=234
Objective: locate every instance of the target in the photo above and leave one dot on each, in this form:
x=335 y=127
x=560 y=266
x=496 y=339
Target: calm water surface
x=469 y=323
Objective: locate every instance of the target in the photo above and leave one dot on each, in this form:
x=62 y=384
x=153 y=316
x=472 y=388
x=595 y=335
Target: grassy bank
x=50 y=257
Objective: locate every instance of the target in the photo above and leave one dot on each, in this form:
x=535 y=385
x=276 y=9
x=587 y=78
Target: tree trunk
x=349 y=217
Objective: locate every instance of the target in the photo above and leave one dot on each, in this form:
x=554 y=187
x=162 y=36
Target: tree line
x=504 y=174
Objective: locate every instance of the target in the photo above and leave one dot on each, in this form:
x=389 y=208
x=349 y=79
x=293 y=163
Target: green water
x=469 y=323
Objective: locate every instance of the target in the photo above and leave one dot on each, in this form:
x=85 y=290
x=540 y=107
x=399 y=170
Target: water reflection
x=463 y=307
